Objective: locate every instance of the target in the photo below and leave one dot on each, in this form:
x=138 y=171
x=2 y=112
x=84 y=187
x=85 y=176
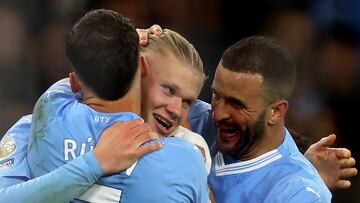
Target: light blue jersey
x=13 y=146
x=73 y=178
x=281 y=175
x=80 y=174
x=64 y=128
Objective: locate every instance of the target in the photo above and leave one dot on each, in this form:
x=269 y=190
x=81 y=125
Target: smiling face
x=168 y=91
x=240 y=111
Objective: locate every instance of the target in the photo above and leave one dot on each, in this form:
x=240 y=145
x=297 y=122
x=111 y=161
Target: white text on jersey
x=70 y=146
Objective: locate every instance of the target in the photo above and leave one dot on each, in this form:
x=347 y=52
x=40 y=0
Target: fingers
x=343 y=153
x=347 y=163
x=144 y=34
x=343 y=184
x=155 y=29
x=139 y=130
x=129 y=124
x=147 y=148
x=145 y=137
x=327 y=141
x=154 y=135
x=348 y=172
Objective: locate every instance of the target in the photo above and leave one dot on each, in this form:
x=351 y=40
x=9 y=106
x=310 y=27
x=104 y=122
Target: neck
x=128 y=103
x=125 y=104
x=272 y=139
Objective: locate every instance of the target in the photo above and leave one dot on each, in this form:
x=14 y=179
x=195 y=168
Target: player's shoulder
x=297 y=188
x=177 y=153
x=59 y=90
x=177 y=147
x=13 y=146
x=176 y=143
x=23 y=121
x=199 y=109
x=19 y=132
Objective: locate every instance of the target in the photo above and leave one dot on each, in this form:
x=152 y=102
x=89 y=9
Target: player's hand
x=120 y=145
x=144 y=34
x=335 y=165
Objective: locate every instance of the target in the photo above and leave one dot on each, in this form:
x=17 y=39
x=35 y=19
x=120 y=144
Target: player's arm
x=60 y=185
x=335 y=165
x=114 y=152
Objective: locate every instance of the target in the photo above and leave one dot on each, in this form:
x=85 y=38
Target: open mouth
x=163 y=124
x=228 y=133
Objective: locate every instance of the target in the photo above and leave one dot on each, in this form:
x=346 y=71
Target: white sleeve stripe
x=100 y=193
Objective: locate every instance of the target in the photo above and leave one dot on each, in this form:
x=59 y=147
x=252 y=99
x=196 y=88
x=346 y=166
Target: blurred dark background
x=322 y=35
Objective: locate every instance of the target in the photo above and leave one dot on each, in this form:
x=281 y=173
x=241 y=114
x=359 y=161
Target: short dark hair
x=103 y=49
x=262 y=55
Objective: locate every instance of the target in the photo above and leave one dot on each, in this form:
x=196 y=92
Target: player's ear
x=74 y=82
x=144 y=66
x=277 y=111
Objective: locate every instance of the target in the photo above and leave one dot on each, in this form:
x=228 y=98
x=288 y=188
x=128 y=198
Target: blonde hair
x=181 y=48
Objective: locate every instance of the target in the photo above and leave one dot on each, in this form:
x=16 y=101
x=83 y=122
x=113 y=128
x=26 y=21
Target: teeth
x=162 y=121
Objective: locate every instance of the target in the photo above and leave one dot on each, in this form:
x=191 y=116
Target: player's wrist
x=103 y=163
x=97 y=165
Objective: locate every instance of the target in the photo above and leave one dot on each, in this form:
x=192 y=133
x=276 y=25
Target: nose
x=220 y=110
x=174 y=107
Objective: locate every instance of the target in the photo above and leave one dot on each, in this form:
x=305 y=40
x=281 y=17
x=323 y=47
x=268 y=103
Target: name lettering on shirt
x=101 y=119
x=70 y=146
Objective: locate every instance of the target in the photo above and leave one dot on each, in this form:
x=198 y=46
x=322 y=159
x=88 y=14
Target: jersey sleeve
x=13 y=163
x=299 y=189
x=309 y=194
x=60 y=185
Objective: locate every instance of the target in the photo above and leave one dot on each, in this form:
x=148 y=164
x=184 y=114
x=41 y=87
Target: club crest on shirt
x=7 y=147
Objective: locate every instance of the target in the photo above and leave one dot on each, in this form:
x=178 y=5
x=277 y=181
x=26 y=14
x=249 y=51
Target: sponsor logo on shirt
x=7 y=147
x=309 y=189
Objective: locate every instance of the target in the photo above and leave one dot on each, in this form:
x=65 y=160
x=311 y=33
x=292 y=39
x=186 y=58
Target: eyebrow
x=231 y=99
x=236 y=101
x=176 y=88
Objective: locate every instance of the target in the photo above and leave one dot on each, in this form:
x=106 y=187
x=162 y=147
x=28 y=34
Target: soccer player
x=103 y=50
x=252 y=83
x=169 y=90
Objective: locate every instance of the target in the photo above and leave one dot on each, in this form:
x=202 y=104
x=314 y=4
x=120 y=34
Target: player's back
x=175 y=173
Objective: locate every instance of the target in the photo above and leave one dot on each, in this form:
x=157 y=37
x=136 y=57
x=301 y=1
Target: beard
x=248 y=139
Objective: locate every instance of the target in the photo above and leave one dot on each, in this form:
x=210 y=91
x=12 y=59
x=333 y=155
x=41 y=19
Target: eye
x=169 y=91
x=186 y=103
x=215 y=95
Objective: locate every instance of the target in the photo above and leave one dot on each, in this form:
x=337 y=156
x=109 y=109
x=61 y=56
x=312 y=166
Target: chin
x=226 y=149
